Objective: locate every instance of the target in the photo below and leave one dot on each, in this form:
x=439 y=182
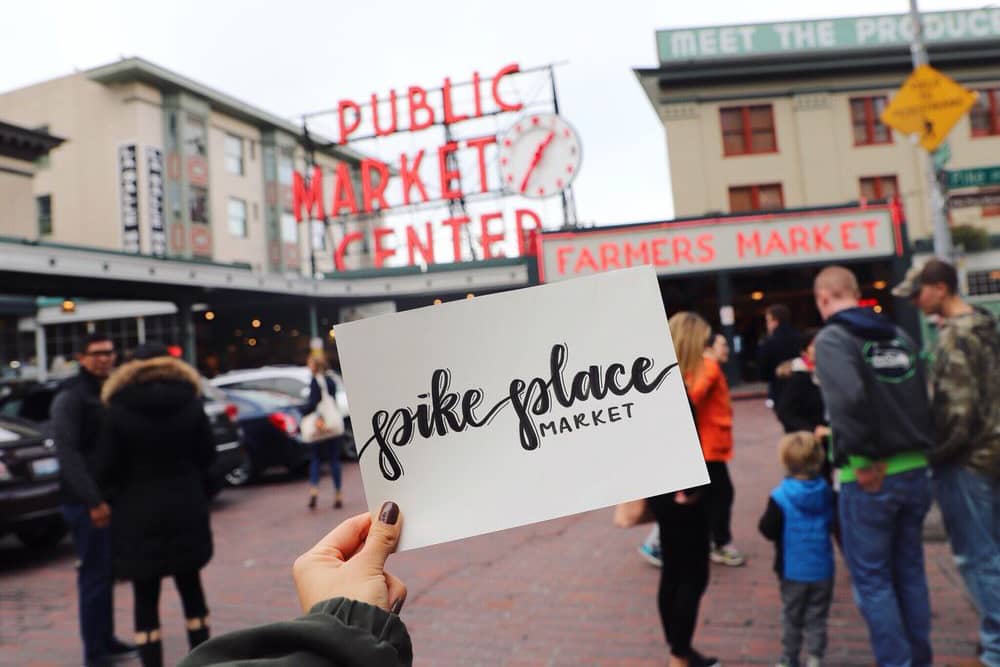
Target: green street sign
x=974 y=178
x=858 y=32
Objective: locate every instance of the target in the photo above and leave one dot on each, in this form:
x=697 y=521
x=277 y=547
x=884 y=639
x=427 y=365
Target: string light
x=209 y=315
x=757 y=296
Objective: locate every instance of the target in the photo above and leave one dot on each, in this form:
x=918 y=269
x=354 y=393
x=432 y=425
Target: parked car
x=292 y=381
x=269 y=429
x=29 y=484
x=30 y=400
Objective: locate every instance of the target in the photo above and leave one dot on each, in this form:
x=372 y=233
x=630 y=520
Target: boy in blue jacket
x=799 y=520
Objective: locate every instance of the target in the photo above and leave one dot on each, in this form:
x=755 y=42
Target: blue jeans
x=970 y=505
x=883 y=547
x=333 y=448
x=94 y=581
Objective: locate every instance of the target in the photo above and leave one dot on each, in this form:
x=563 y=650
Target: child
x=799 y=520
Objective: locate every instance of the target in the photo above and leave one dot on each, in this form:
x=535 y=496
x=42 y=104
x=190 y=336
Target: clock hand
x=536 y=159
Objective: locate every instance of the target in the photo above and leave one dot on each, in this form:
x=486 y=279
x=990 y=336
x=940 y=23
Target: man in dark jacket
x=76 y=422
x=965 y=381
x=875 y=393
x=783 y=342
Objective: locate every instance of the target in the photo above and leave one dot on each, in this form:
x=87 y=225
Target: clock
x=539 y=156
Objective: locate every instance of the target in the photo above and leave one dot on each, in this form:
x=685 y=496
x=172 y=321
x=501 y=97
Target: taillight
x=232 y=412
x=283 y=422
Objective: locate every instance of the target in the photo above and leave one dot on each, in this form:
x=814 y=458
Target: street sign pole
x=942 y=234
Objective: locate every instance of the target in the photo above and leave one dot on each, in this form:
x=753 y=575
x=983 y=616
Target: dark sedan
x=29 y=484
x=31 y=400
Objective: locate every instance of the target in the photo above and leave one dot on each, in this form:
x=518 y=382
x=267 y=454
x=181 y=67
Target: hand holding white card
x=490 y=413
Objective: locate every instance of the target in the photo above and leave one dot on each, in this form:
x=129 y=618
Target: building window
x=866 y=114
x=195 y=137
x=43 y=204
x=985 y=114
x=238 y=218
x=289 y=228
x=747 y=130
x=234 y=154
x=198 y=204
x=756 y=198
x=878 y=187
x=285 y=166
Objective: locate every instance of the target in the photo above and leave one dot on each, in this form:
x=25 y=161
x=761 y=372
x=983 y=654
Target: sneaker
x=784 y=662
x=698 y=660
x=727 y=555
x=651 y=555
x=814 y=661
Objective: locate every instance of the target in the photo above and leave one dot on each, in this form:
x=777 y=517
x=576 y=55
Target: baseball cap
x=910 y=285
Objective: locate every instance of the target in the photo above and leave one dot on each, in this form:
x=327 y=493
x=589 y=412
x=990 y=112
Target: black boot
x=151 y=654
x=196 y=637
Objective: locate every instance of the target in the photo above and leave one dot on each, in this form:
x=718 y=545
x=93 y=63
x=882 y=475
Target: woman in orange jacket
x=713 y=411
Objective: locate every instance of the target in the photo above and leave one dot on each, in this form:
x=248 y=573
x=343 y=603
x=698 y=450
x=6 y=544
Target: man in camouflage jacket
x=965 y=403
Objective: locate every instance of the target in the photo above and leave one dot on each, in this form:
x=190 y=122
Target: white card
x=528 y=449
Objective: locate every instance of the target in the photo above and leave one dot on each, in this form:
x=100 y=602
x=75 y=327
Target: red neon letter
x=503 y=106
x=414 y=94
x=456 y=225
x=338 y=254
x=345 y=128
x=343 y=192
x=870 y=227
x=820 y=241
x=449 y=114
x=775 y=242
x=585 y=260
x=682 y=249
x=379 y=131
x=411 y=176
x=609 y=256
x=480 y=145
x=448 y=176
x=478 y=96
x=413 y=244
x=845 y=235
x=561 y=253
x=742 y=243
x=799 y=239
x=521 y=235
x=707 y=249
x=372 y=193
x=311 y=198
x=486 y=240
x=381 y=252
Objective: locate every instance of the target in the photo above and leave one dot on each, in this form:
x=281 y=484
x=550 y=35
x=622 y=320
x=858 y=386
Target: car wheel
x=240 y=475
x=43 y=534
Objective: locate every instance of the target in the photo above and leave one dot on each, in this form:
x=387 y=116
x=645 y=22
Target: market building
x=764 y=118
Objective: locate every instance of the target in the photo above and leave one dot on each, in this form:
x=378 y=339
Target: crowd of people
x=874 y=431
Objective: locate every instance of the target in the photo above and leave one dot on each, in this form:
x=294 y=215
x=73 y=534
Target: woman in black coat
x=153 y=460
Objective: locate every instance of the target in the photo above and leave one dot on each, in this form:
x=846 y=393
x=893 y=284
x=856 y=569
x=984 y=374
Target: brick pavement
x=565 y=592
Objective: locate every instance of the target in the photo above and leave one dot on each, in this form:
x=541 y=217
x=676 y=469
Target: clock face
x=539 y=156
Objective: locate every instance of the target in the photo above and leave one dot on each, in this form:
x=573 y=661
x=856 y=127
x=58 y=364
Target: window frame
x=38 y=215
x=871 y=119
x=994 y=114
x=230 y=218
x=755 y=197
x=239 y=160
x=877 y=185
x=747 y=130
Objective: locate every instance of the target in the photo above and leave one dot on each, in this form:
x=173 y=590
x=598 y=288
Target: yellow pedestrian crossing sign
x=928 y=104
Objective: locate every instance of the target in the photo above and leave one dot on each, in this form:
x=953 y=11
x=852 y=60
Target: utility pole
x=942 y=234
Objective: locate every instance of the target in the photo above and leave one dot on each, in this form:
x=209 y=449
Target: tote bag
x=327 y=409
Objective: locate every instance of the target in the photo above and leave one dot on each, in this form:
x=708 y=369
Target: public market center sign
x=857 y=32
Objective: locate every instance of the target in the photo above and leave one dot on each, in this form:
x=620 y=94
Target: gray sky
x=292 y=56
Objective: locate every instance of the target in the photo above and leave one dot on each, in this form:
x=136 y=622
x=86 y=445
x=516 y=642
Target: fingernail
x=397 y=606
x=389 y=513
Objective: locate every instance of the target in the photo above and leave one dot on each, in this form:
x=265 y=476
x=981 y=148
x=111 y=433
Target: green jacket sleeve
x=335 y=633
